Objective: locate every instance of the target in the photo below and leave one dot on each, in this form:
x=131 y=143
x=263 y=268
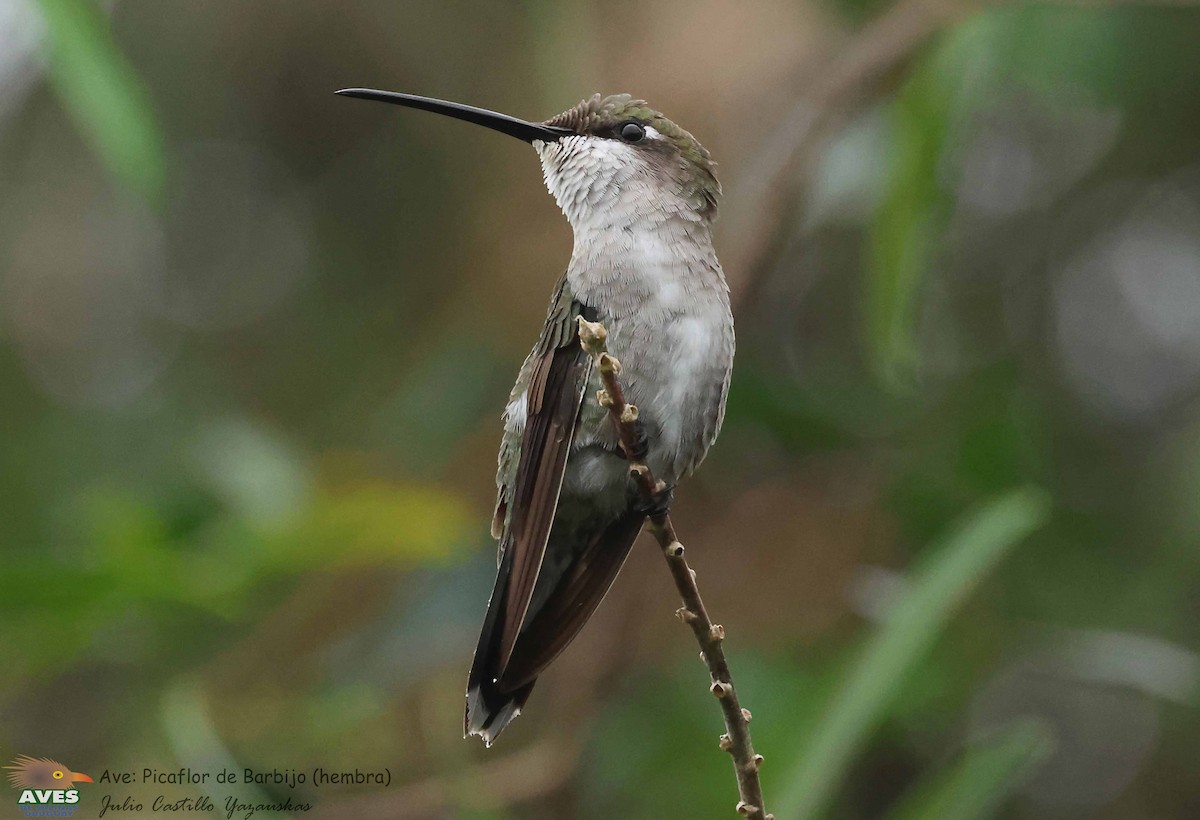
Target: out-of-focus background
x=255 y=340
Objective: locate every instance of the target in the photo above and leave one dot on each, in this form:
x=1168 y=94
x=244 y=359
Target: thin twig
x=736 y=739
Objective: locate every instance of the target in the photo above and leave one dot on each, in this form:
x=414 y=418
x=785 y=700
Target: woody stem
x=709 y=636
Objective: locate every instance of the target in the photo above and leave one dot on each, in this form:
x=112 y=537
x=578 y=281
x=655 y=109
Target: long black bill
x=521 y=129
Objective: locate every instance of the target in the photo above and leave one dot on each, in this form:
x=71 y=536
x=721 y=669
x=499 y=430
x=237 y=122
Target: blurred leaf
x=1050 y=48
x=902 y=235
x=667 y=724
x=253 y=470
x=794 y=415
x=104 y=95
x=955 y=566
x=136 y=574
x=984 y=775
x=956 y=78
x=439 y=404
x=187 y=724
x=857 y=12
x=374 y=523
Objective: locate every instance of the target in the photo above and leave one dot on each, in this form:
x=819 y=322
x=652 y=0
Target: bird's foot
x=641 y=443
x=659 y=504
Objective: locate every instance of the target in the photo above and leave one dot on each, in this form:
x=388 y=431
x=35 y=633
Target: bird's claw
x=659 y=504
x=641 y=444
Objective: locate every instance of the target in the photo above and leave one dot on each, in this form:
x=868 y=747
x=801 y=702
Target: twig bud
x=725 y=743
x=609 y=364
x=674 y=549
x=717 y=632
x=693 y=573
x=746 y=716
x=746 y=809
x=630 y=414
x=757 y=760
x=592 y=335
x=684 y=614
x=603 y=398
x=720 y=689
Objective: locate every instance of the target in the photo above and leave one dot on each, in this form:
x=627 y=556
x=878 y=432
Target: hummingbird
x=640 y=194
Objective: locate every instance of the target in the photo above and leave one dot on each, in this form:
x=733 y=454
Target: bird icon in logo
x=42 y=773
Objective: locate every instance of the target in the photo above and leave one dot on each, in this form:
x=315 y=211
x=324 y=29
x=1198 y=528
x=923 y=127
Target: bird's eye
x=58 y=775
x=632 y=132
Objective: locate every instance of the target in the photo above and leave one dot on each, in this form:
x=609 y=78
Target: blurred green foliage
x=104 y=95
x=912 y=624
x=981 y=779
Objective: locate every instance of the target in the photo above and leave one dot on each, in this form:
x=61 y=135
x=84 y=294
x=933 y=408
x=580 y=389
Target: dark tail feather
x=576 y=595
x=489 y=709
x=495 y=696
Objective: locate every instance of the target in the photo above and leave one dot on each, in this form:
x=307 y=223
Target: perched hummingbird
x=640 y=195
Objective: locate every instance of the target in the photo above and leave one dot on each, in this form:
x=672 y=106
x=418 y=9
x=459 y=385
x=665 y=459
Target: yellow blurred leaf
x=374 y=523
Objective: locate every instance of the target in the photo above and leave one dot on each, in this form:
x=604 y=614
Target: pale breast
x=654 y=280
x=676 y=355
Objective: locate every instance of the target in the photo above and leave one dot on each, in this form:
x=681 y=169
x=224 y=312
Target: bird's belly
x=677 y=375
x=593 y=470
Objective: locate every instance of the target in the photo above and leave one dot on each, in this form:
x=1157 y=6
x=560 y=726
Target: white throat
x=628 y=217
x=632 y=228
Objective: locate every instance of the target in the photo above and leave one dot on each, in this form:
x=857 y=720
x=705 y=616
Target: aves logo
x=47 y=786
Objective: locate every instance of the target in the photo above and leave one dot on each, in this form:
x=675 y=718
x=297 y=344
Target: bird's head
x=605 y=157
x=621 y=155
x=42 y=773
